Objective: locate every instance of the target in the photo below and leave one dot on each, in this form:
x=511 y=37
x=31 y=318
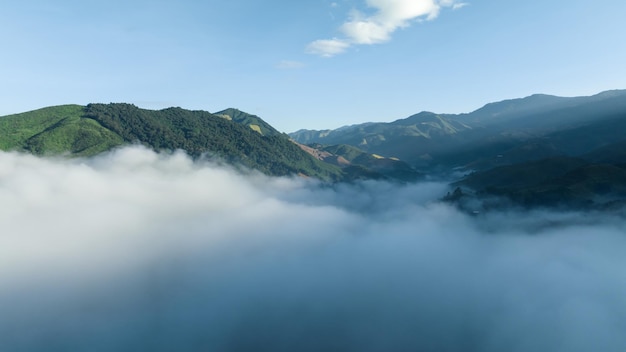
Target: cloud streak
x=389 y=16
x=139 y=251
x=290 y=65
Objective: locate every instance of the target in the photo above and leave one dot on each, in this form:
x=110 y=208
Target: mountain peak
x=254 y=122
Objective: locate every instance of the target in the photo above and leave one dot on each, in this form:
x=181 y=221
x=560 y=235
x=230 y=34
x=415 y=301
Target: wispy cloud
x=459 y=5
x=454 y=4
x=327 y=47
x=290 y=65
x=389 y=16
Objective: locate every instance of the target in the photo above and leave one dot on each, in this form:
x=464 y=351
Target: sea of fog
x=138 y=251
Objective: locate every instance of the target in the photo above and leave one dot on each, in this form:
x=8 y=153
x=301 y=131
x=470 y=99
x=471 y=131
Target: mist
x=138 y=251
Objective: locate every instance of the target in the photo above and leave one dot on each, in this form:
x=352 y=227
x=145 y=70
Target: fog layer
x=136 y=251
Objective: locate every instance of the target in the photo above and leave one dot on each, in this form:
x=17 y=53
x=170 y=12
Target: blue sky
x=308 y=63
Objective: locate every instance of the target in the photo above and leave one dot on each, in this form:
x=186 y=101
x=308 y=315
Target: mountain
x=254 y=122
x=371 y=136
x=95 y=128
x=545 y=111
x=56 y=130
x=540 y=150
x=555 y=182
x=358 y=164
x=412 y=139
x=595 y=180
x=231 y=135
x=505 y=132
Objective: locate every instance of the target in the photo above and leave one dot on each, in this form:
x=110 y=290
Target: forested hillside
x=95 y=128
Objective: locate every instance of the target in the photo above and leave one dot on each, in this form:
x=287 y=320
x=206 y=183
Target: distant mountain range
x=539 y=150
x=498 y=133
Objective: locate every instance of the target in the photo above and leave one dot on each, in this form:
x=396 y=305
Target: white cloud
x=459 y=5
x=136 y=251
x=290 y=65
x=389 y=16
x=327 y=47
x=366 y=32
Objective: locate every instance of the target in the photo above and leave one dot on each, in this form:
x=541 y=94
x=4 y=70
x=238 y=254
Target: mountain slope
x=199 y=132
x=561 y=181
x=55 y=130
x=89 y=130
x=368 y=136
x=388 y=167
x=511 y=131
x=254 y=122
x=411 y=139
x=540 y=111
x=357 y=164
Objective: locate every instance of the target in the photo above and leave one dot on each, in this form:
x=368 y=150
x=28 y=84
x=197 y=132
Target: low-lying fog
x=135 y=251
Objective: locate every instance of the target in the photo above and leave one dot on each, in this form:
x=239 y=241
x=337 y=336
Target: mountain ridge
x=457 y=140
x=231 y=134
x=540 y=150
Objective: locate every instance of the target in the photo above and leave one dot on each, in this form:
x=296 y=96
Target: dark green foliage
x=614 y=153
x=201 y=133
x=562 y=181
x=522 y=175
x=358 y=172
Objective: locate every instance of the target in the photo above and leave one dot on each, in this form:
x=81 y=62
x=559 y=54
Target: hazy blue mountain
x=540 y=150
x=368 y=136
x=555 y=182
x=540 y=114
x=506 y=132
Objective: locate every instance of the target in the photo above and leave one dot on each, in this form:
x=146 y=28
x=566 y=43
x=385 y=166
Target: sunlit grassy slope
x=55 y=130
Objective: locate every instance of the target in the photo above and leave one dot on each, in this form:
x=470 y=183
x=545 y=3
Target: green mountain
x=92 y=129
x=56 y=130
x=232 y=135
x=252 y=121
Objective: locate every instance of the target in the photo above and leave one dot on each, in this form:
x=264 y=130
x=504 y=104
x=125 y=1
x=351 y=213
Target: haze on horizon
x=317 y=64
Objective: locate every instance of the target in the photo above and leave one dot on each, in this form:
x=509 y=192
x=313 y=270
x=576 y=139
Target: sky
x=311 y=64
x=137 y=251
